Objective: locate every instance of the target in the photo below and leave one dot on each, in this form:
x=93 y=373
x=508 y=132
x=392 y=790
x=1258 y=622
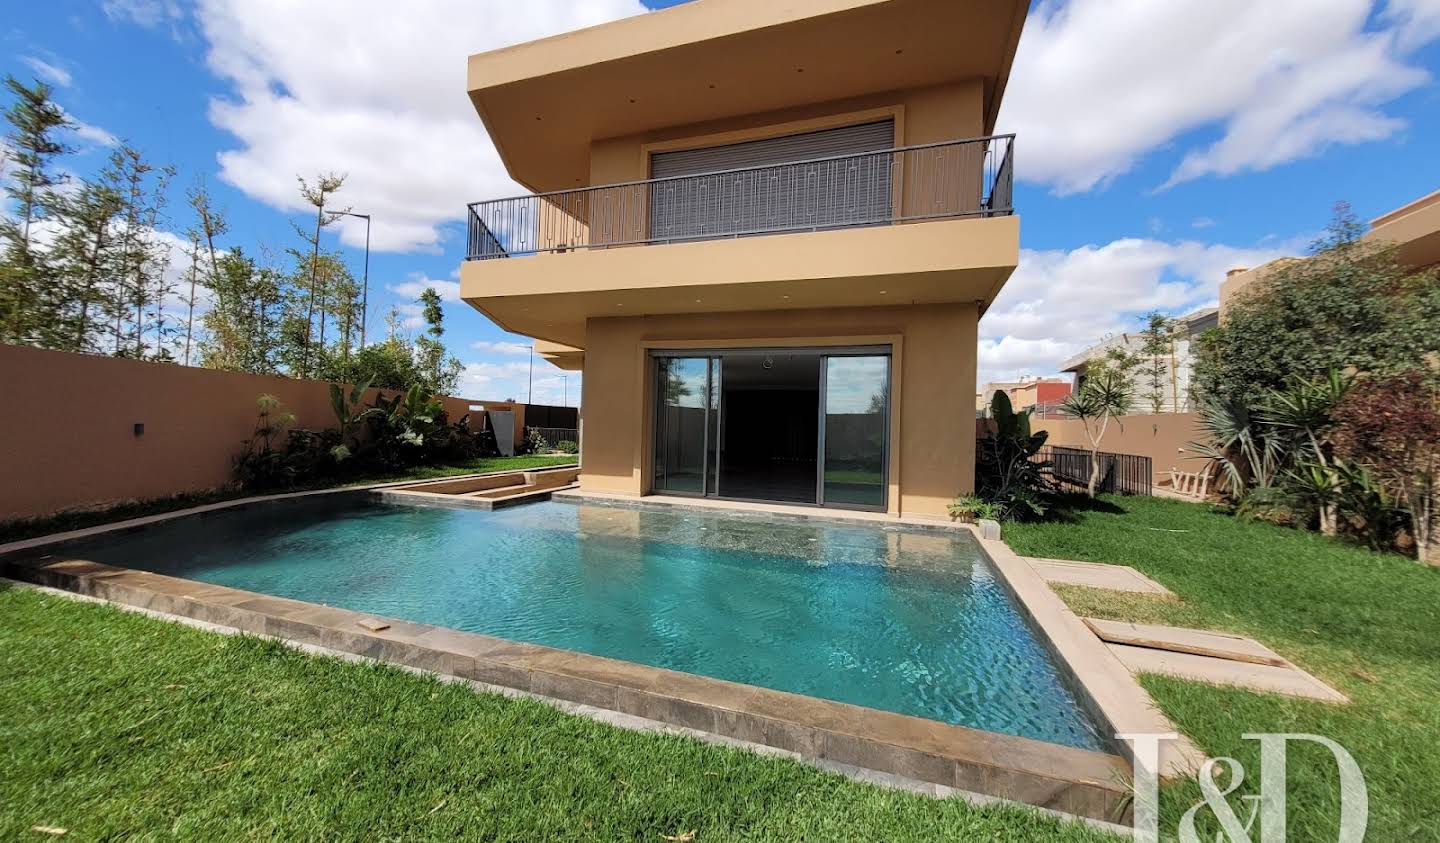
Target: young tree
x=1105 y=394
x=29 y=300
x=141 y=284
x=1157 y=363
x=209 y=225
x=1391 y=425
x=317 y=195
x=442 y=373
x=86 y=253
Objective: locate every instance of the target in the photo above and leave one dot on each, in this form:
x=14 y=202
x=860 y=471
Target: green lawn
x=1367 y=623
x=117 y=725
x=27 y=528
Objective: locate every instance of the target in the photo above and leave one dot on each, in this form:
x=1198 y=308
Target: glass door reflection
x=855 y=431
x=683 y=424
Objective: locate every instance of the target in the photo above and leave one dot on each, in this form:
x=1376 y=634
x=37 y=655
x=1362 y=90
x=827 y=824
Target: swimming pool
x=902 y=620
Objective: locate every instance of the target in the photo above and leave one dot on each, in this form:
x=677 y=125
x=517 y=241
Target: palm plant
x=1300 y=417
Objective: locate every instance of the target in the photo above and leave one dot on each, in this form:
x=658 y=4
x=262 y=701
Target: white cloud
x=1202 y=222
x=418 y=283
x=90 y=133
x=511 y=380
x=1059 y=302
x=1098 y=84
x=501 y=347
x=147 y=13
x=52 y=73
x=373 y=89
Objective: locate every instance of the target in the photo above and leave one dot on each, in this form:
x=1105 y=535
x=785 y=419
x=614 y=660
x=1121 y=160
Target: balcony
x=939 y=181
x=923 y=224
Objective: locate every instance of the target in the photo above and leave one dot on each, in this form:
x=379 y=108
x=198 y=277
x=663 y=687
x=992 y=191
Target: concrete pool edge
x=1074 y=781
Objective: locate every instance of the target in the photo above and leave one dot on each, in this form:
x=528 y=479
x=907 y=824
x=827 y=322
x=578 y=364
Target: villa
x=765 y=233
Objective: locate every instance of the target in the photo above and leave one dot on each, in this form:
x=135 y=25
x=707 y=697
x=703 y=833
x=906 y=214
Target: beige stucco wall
x=932 y=435
x=1159 y=437
x=934 y=113
x=70 y=442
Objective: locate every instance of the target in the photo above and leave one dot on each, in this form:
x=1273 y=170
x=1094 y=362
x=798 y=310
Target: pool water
x=909 y=621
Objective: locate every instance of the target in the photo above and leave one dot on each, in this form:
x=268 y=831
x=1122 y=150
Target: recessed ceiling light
x=883 y=292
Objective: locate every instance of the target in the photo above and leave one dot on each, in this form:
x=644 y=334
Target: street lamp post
x=365 y=292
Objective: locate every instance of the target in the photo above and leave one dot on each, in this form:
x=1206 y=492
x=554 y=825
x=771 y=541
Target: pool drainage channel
x=820 y=732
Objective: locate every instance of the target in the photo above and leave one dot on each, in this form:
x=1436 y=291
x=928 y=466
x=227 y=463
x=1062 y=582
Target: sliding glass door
x=797 y=425
x=684 y=424
x=855 y=431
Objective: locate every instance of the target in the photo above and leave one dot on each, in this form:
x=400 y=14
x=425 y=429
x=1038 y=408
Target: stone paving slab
x=1096 y=575
x=1199 y=642
x=1289 y=680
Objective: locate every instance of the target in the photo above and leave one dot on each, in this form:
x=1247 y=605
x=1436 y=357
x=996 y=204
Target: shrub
x=972 y=508
x=1391 y=426
x=260 y=465
x=534 y=442
x=568 y=446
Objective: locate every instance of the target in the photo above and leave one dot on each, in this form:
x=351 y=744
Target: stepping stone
x=1288 y=680
x=1199 y=642
x=1096 y=575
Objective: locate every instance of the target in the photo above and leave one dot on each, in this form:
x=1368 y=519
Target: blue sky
x=1158 y=143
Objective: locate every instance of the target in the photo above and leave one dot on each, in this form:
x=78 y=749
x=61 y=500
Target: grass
x=1366 y=623
x=118 y=725
x=80 y=519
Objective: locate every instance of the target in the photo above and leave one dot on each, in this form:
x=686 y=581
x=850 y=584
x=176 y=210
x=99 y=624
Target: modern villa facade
x=766 y=233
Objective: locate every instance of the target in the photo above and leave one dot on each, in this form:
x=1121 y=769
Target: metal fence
x=961 y=178
x=1127 y=474
x=553 y=436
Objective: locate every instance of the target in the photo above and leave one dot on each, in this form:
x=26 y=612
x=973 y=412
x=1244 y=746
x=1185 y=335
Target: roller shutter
x=711 y=193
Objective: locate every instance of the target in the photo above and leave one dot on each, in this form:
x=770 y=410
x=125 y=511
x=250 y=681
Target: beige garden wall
x=69 y=435
x=1164 y=438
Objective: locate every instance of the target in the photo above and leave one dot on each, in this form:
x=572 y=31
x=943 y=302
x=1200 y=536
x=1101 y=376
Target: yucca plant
x=1104 y=396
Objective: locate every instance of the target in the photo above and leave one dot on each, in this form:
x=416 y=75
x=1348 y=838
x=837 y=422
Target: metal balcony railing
x=964 y=178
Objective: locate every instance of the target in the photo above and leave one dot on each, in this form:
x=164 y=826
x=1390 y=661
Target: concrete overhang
x=564 y=357
x=550 y=295
x=545 y=101
x=1414 y=229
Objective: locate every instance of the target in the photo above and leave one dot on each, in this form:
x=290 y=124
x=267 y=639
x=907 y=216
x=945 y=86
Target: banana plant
x=349 y=412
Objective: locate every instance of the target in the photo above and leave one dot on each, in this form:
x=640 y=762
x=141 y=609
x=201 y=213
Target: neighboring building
x=1043 y=393
x=987 y=393
x=1174 y=389
x=1023 y=394
x=1414 y=229
x=766 y=232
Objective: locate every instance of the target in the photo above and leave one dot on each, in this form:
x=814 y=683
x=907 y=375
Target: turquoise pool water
x=908 y=621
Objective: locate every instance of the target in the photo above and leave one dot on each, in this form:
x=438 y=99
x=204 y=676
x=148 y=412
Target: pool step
x=1096 y=575
x=1207 y=656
